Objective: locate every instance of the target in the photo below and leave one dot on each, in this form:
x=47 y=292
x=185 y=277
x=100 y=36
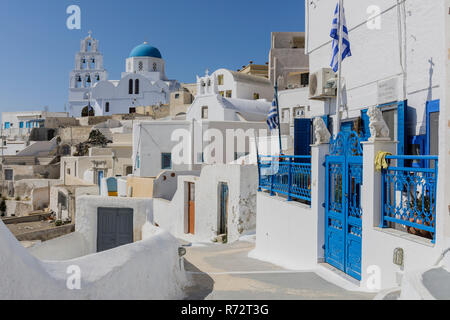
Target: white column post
x=371 y=196
x=371 y=189
x=318 y=176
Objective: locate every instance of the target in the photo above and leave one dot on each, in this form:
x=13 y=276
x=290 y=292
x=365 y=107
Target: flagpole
x=278 y=114
x=339 y=79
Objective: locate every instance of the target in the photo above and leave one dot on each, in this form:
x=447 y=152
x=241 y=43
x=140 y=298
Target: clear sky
x=37 y=50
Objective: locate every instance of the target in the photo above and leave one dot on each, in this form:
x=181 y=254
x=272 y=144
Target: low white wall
x=69 y=246
x=378 y=250
x=242 y=184
x=148 y=269
x=378 y=245
x=86 y=215
x=286 y=233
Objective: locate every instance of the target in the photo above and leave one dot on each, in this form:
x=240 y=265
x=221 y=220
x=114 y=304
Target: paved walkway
x=226 y=272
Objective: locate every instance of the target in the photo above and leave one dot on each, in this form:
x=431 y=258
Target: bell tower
x=88 y=71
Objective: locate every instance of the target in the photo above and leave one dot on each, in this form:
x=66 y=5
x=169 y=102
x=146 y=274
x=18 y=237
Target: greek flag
x=346 y=52
x=272 y=119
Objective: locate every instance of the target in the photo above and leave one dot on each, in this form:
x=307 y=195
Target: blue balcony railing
x=286 y=175
x=409 y=195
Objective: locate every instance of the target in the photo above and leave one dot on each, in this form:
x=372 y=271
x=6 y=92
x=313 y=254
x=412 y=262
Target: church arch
x=88 y=112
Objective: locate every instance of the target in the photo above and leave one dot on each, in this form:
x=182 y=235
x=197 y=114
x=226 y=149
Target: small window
x=136 y=86
x=140 y=66
x=130 y=86
x=9 y=174
x=21 y=124
x=154 y=66
x=68 y=170
x=62 y=200
x=204 y=112
x=229 y=93
x=222 y=93
x=7 y=125
x=177 y=95
x=304 y=79
x=128 y=170
x=166 y=161
x=255 y=96
x=220 y=79
x=132 y=110
x=107 y=107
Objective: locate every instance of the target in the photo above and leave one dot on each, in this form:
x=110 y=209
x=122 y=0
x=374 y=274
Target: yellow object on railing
x=380 y=160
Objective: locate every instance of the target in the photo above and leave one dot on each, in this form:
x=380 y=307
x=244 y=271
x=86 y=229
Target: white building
x=243 y=113
x=221 y=201
x=288 y=62
x=17 y=126
x=144 y=82
x=398 y=69
x=396 y=66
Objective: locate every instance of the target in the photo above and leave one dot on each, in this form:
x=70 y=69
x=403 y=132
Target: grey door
x=114 y=228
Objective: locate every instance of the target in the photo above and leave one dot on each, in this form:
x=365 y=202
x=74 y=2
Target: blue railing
x=287 y=175
x=409 y=195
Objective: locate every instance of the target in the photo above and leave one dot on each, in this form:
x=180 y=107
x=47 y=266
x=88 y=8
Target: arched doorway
x=87 y=113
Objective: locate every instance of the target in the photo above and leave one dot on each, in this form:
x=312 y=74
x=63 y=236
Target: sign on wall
x=388 y=91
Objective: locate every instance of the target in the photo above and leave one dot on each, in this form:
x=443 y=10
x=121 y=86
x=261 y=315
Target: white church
x=144 y=83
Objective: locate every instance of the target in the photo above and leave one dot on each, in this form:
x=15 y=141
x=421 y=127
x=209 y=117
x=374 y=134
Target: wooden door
x=191 y=208
x=114 y=228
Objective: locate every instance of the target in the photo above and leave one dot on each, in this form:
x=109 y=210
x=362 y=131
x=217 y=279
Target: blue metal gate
x=343 y=213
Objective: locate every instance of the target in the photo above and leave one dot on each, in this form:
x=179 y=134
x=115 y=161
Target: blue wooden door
x=99 y=180
x=343 y=213
x=302 y=137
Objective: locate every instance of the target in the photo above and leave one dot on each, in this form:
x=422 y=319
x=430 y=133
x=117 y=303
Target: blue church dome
x=145 y=50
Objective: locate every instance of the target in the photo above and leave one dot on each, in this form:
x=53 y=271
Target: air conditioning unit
x=322 y=84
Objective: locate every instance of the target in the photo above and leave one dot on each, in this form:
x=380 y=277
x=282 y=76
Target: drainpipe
x=191 y=164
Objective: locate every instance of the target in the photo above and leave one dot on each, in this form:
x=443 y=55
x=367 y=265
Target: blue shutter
x=302 y=137
x=347 y=127
x=365 y=125
x=432 y=106
x=401 y=130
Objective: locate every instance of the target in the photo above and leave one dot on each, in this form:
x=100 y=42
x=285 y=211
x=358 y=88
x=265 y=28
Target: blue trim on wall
x=432 y=106
x=402 y=107
x=365 y=125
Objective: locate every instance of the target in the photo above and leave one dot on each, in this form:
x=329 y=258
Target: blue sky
x=37 y=52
